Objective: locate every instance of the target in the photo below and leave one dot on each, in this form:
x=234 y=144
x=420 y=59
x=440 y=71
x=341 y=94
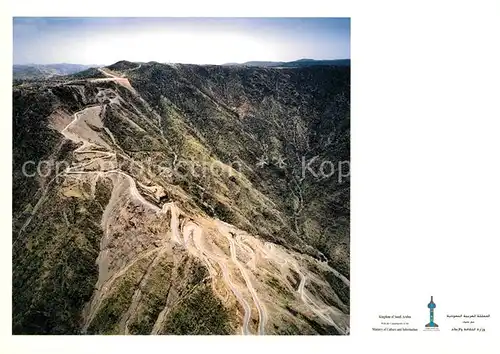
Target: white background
x=425 y=172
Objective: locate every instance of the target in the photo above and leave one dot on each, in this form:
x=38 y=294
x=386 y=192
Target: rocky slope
x=182 y=199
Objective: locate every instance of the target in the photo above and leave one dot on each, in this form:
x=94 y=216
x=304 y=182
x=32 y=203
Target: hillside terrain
x=36 y=71
x=182 y=199
x=301 y=63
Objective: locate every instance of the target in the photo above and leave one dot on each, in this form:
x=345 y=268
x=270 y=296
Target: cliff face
x=182 y=199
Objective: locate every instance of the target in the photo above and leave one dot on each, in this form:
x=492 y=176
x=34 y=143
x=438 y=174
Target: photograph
x=181 y=176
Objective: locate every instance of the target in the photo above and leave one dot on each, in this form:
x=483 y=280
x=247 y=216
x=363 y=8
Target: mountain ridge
x=38 y=71
x=181 y=206
x=295 y=63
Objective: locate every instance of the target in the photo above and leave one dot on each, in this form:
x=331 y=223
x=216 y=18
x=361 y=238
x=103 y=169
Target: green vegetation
x=292 y=113
x=54 y=268
x=282 y=290
x=91 y=73
x=295 y=280
x=115 y=305
x=201 y=313
x=122 y=65
x=314 y=327
x=154 y=297
x=338 y=286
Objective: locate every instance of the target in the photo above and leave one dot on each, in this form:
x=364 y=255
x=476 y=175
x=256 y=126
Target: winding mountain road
x=197 y=235
x=260 y=308
x=187 y=234
x=320 y=312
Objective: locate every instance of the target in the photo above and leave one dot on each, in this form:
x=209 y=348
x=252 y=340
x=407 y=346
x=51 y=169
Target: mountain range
x=294 y=64
x=154 y=198
x=47 y=70
x=38 y=71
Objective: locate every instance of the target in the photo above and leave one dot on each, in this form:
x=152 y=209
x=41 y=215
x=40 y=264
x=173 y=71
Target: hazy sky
x=102 y=40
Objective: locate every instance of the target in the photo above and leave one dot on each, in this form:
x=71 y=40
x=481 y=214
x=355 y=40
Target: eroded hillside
x=172 y=199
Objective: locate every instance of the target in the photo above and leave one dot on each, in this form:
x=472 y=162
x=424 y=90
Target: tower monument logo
x=431 y=307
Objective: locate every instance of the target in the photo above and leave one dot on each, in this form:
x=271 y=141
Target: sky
x=104 y=41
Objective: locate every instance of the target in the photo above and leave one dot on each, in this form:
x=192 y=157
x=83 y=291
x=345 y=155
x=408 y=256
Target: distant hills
x=294 y=64
x=39 y=71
